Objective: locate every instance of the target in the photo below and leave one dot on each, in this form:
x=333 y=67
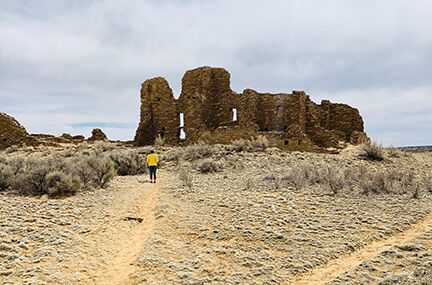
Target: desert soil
x=234 y=226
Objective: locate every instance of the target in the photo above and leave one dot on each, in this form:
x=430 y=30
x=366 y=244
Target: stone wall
x=290 y=121
x=12 y=133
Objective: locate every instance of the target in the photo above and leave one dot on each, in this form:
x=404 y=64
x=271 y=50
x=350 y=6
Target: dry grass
x=259 y=143
x=208 y=166
x=186 y=177
x=159 y=141
x=372 y=151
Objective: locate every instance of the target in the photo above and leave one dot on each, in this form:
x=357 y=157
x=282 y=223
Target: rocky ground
x=65 y=241
x=250 y=222
x=226 y=231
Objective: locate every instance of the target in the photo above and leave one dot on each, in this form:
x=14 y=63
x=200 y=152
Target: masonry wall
x=290 y=121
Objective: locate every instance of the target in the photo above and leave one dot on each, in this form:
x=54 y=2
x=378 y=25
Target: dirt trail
x=124 y=262
x=334 y=268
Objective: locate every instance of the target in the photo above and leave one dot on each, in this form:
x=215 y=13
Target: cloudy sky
x=70 y=66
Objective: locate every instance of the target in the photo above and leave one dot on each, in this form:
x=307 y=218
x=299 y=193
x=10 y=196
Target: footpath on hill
x=94 y=237
x=125 y=256
x=336 y=267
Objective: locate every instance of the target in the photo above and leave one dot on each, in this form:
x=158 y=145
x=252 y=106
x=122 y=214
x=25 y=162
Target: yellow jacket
x=152 y=159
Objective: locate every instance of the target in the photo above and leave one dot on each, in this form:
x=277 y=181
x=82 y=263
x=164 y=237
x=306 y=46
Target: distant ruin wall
x=12 y=133
x=216 y=114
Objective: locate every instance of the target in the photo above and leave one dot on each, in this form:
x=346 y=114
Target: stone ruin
x=97 y=135
x=12 y=133
x=208 y=110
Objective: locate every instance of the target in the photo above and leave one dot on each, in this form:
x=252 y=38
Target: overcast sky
x=70 y=66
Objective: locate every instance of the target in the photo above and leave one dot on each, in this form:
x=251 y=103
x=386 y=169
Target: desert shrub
x=296 y=178
x=377 y=182
x=60 y=184
x=103 y=170
x=415 y=190
x=6 y=177
x=372 y=151
x=84 y=146
x=208 y=166
x=249 y=184
x=393 y=151
x=239 y=145
x=186 y=177
x=427 y=183
x=259 y=143
x=334 y=178
x=275 y=178
x=31 y=180
x=103 y=146
x=16 y=163
x=197 y=151
x=128 y=162
x=172 y=155
x=159 y=141
x=12 y=149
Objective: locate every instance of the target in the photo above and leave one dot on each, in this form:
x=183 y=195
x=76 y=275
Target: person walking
x=152 y=162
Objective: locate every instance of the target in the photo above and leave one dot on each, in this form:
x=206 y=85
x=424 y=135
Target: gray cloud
x=67 y=63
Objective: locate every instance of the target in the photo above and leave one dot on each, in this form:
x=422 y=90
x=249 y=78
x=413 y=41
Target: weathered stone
x=12 y=133
x=290 y=121
x=97 y=135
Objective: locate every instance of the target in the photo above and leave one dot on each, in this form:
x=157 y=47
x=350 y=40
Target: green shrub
x=128 y=162
x=6 y=177
x=372 y=151
x=60 y=184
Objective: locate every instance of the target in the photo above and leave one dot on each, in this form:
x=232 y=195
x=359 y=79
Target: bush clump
x=102 y=169
x=60 y=184
x=128 y=162
x=6 y=177
x=208 y=166
x=197 y=151
x=259 y=143
x=186 y=177
x=372 y=151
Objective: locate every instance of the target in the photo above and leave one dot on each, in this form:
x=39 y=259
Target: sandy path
x=334 y=268
x=123 y=264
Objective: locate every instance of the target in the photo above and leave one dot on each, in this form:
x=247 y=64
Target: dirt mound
x=12 y=133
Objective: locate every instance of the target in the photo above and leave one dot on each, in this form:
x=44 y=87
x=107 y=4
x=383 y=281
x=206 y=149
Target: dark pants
x=152 y=172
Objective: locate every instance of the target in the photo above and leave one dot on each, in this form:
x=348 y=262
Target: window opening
x=286 y=142
x=182 y=134
x=234 y=114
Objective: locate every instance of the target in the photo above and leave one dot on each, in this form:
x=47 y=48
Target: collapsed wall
x=212 y=112
x=12 y=133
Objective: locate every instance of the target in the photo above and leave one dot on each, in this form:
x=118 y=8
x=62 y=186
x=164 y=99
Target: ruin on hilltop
x=209 y=110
